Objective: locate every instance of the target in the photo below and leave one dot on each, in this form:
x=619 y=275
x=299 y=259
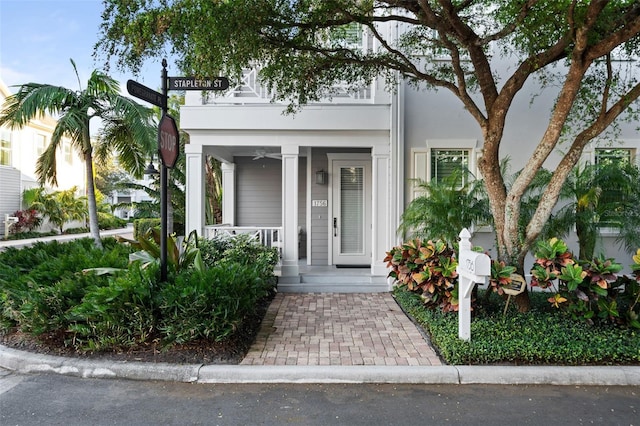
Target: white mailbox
x=8 y=221
x=473 y=268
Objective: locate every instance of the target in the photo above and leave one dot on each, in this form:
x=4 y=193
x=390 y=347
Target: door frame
x=332 y=157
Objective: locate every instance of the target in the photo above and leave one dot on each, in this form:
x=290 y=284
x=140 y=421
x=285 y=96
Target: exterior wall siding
x=440 y=116
x=10 y=194
x=259 y=193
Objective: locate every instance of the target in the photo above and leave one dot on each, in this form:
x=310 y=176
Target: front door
x=351 y=211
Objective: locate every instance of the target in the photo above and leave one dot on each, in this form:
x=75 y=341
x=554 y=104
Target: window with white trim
x=40 y=142
x=617 y=156
x=441 y=158
x=68 y=154
x=5 y=147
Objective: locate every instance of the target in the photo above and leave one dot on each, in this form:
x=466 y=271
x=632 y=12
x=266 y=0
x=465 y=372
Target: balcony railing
x=251 y=91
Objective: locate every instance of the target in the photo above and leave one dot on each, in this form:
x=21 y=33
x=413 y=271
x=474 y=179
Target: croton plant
x=427 y=268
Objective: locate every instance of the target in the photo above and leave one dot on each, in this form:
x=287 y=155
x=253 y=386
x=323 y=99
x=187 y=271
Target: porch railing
x=265 y=235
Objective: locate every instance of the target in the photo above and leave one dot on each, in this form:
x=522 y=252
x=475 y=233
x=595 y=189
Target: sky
x=38 y=37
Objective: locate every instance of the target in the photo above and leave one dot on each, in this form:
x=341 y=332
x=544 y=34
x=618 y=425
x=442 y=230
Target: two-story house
x=328 y=185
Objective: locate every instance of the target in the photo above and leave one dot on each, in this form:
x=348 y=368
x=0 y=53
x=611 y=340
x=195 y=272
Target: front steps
x=333 y=283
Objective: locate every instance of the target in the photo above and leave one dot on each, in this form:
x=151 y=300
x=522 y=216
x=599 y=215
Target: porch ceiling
x=226 y=153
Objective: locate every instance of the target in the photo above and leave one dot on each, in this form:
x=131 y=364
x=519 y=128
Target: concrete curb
x=29 y=363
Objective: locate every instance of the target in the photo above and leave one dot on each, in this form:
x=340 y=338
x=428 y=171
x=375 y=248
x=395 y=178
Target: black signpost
x=168 y=136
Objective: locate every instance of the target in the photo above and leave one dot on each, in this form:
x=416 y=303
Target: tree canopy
x=303 y=47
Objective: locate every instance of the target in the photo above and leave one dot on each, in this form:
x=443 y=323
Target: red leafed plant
x=28 y=220
x=427 y=268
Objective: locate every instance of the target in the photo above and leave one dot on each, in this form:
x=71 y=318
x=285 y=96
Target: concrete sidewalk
x=125 y=232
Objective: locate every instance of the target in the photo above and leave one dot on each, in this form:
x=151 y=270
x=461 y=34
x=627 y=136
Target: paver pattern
x=338 y=329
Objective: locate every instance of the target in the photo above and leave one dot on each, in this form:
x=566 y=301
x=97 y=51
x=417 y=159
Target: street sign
x=168 y=141
x=143 y=92
x=192 y=83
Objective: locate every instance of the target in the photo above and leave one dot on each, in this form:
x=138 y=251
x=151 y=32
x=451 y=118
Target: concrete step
x=335 y=287
x=329 y=283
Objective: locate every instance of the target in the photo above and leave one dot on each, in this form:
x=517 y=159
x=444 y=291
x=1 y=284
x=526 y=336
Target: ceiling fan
x=261 y=153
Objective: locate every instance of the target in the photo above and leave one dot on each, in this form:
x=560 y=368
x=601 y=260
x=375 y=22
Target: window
x=612 y=176
x=5 y=147
x=446 y=162
x=608 y=156
x=441 y=158
x=68 y=155
x=41 y=144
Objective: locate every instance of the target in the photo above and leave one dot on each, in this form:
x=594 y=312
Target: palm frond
x=34 y=100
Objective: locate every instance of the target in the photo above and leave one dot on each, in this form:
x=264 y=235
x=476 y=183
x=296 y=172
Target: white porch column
x=229 y=193
x=195 y=189
x=382 y=235
x=289 y=268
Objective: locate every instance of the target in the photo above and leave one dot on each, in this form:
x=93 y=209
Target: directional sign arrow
x=143 y=92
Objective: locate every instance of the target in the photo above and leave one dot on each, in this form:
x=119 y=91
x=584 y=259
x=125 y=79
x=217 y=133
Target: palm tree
x=601 y=195
x=128 y=127
x=445 y=207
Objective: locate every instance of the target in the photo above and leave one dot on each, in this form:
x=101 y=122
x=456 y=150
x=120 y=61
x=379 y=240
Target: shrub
x=60 y=289
x=241 y=249
x=181 y=253
x=119 y=315
x=30 y=234
x=73 y=231
x=109 y=221
x=28 y=220
x=209 y=304
x=586 y=290
x=142 y=226
x=39 y=284
x=428 y=269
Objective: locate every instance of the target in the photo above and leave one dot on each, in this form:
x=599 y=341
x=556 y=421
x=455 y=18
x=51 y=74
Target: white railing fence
x=267 y=236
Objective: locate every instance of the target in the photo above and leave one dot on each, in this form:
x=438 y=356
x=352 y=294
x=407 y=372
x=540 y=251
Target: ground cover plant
x=73 y=298
x=540 y=336
x=587 y=313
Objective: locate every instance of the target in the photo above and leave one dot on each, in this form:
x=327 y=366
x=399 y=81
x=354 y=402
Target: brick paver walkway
x=338 y=329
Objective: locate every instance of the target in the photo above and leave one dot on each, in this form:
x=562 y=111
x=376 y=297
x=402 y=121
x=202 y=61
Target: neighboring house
x=329 y=184
x=19 y=151
x=123 y=200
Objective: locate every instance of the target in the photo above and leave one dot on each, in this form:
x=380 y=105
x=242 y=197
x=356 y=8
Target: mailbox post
x=8 y=221
x=473 y=267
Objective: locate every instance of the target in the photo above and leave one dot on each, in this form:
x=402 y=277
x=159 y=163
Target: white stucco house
x=328 y=185
x=19 y=151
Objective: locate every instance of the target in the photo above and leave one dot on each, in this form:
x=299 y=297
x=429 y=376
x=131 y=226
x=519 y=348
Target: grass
x=540 y=336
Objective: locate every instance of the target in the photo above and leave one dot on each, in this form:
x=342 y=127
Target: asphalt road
x=43 y=399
